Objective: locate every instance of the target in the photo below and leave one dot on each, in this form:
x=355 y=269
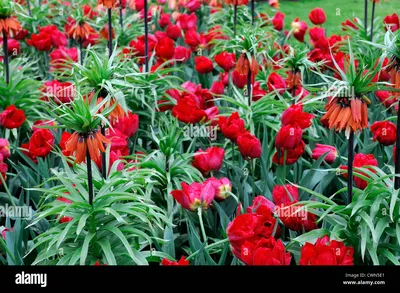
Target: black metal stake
x=249 y=89
x=110 y=46
x=372 y=20
x=29 y=7
x=146 y=38
x=121 y=18
x=350 y=159
x=397 y=154
x=81 y=49
x=234 y=19
x=365 y=15
x=5 y=49
x=90 y=176
x=252 y=12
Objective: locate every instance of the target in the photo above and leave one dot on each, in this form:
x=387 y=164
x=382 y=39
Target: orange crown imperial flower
x=349 y=114
x=80 y=143
x=107 y=3
x=77 y=31
x=243 y=65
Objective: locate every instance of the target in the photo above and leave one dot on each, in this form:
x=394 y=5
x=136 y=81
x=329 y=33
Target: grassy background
x=348 y=10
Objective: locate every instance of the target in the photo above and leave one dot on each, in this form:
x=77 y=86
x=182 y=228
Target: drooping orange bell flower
x=79 y=31
x=349 y=114
x=395 y=80
x=80 y=143
x=107 y=3
x=243 y=65
x=9 y=26
x=293 y=79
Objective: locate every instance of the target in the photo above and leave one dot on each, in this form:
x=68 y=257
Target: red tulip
x=317 y=33
x=249 y=146
x=283 y=194
x=3 y=171
x=193 y=5
x=14 y=47
x=182 y=54
x=240 y=80
x=60 y=92
x=5 y=230
x=360 y=161
x=292 y=155
x=322 y=149
x=187 y=22
x=326 y=252
x=41 y=143
x=195 y=195
x=192 y=38
x=261 y=205
x=232 y=126
x=265 y=252
x=165 y=48
x=209 y=160
x=317 y=16
x=386 y=98
x=225 y=60
x=250 y=227
x=181 y=262
x=222 y=187
x=276 y=82
x=127 y=124
x=299 y=29
x=295 y=218
x=295 y=115
x=349 y=24
x=203 y=64
x=217 y=88
x=173 y=31
x=4 y=149
x=48 y=37
x=165 y=19
x=384 y=132
x=118 y=141
x=12 y=117
x=289 y=136
x=188 y=110
x=277 y=21
x=60 y=57
x=392 y=22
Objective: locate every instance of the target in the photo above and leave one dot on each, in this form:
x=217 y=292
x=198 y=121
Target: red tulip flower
x=326 y=252
x=222 y=187
x=165 y=48
x=12 y=117
x=360 y=161
x=188 y=110
x=265 y=252
x=289 y=136
x=384 y=132
x=203 y=64
x=41 y=143
x=292 y=155
x=277 y=21
x=317 y=33
x=182 y=54
x=195 y=195
x=186 y=22
x=209 y=160
x=295 y=218
x=284 y=194
x=249 y=146
x=232 y=126
x=165 y=19
x=127 y=124
x=392 y=22
x=295 y=115
x=173 y=32
x=4 y=149
x=225 y=60
x=321 y=149
x=299 y=29
x=317 y=16
x=276 y=82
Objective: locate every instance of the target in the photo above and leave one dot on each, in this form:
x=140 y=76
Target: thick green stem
x=203 y=231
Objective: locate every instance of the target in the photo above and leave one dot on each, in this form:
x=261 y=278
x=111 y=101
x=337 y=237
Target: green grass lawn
x=346 y=9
